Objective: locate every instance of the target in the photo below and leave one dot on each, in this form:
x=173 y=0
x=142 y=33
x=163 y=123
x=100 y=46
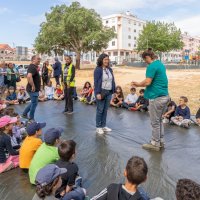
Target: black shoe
x=64 y=111
x=24 y=116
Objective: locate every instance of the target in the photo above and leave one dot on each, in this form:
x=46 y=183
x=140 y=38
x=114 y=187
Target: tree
x=72 y=28
x=161 y=37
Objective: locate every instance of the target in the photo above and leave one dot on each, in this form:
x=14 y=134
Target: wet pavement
x=101 y=159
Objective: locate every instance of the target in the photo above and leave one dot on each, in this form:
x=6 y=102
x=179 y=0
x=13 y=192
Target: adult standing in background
x=57 y=70
x=33 y=87
x=50 y=70
x=104 y=87
x=44 y=74
x=156 y=84
x=68 y=81
x=2 y=79
x=12 y=75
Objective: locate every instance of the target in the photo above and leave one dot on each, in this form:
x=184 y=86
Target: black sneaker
x=64 y=111
x=24 y=116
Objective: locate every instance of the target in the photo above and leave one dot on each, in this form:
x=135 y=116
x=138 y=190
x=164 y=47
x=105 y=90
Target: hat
x=5 y=120
x=33 y=127
x=52 y=134
x=48 y=174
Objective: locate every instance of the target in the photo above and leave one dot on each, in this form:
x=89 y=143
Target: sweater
x=185 y=113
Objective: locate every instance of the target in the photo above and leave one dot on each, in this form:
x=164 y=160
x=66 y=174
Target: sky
x=20 y=19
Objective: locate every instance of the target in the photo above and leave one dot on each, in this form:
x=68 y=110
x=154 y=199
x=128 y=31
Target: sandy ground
x=181 y=82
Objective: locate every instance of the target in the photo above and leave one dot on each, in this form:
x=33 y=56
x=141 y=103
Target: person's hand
x=98 y=96
x=33 y=88
x=134 y=84
x=180 y=118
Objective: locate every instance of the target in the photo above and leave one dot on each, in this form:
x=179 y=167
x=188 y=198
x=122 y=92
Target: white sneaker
x=106 y=129
x=100 y=131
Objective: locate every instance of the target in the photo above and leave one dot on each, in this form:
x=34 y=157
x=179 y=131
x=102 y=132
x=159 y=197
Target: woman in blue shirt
x=104 y=87
x=156 y=84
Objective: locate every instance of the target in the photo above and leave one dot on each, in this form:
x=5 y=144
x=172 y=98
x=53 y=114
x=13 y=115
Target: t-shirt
x=107 y=80
x=51 y=197
x=36 y=78
x=27 y=151
x=131 y=98
x=44 y=155
x=6 y=147
x=159 y=85
x=72 y=172
x=49 y=90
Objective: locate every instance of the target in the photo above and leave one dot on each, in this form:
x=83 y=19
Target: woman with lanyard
x=104 y=87
x=12 y=75
x=156 y=84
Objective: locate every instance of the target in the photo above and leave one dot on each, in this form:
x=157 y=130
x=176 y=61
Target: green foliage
x=160 y=36
x=73 y=28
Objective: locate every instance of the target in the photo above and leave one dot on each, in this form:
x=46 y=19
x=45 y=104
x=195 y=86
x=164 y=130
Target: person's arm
x=9 y=147
x=176 y=112
x=170 y=111
x=30 y=81
x=73 y=74
x=101 y=196
x=97 y=89
x=187 y=116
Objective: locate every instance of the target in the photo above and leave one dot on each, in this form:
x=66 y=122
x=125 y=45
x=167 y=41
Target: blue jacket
x=57 y=68
x=12 y=97
x=98 y=76
x=185 y=113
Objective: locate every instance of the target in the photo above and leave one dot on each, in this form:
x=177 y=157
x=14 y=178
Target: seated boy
x=198 y=117
x=141 y=104
x=30 y=145
x=182 y=114
x=187 y=189
x=170 y=111
x=47 y=153
x=130 y=99
x=67 y=153
x=135 y=174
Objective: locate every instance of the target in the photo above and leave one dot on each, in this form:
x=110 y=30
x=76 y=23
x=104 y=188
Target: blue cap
x=52 y=134
x=48 y=174
x=33 y=127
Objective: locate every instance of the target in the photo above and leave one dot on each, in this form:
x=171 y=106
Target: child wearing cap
x=12 y=160
x=135 y=174
x=47 y=153
x=30 y=145
x=22 y=95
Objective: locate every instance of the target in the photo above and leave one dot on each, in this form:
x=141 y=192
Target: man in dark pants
x=68 y=81
x=33 y=87
x=57 y=70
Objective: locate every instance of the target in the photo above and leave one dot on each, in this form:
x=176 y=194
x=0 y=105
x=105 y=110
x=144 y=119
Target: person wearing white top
x=130 y=99
x=49 y=91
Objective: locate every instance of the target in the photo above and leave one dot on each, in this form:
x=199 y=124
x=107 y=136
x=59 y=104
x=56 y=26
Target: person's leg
x=66 y=99
x=15 y=160
x=70 y=99
x=6 y=166
x=186 y=123
x=105 y=110
x=27 y=109
x=99 y=112
x=125 y=105
x=176 y=121
x=34 y=102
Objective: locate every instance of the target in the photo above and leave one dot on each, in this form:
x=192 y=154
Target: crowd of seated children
x=86 y=92
x=170 y=111
x=182 y=114
x=117 y=97
x=131 y=99
x=58 y=95
x=22 y=95
x=141 y=104
x=11 y=96
x=49 y=91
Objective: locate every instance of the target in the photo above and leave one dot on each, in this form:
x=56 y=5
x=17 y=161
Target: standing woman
x=104 y=87
x=156 y=84
x=12 y=75
x=44 y=74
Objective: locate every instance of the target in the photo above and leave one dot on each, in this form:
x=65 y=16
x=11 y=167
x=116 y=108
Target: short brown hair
x=149 y=52
x=136 y=170
x=66 y=149
x=185 y=99
x=187 y=189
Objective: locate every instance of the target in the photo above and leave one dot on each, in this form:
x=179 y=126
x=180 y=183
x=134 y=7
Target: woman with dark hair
x=156 y=84
x=44 y=74
x=12 y=75
x=104 y=87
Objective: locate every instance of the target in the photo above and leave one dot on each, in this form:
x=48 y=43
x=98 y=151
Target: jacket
x=57 y=68
x=98 y=77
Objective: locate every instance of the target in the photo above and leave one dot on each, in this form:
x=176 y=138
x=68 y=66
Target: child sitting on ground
x=85 y=92
x=141 y=104
x=131 y=99
x=198 y=117
x=30 y=145
x=49 y=91
x=182 y=114
x=47 y=153
x=58 y=95
x=9 y=158
x=117 y=97
x=42 y=97
x=135 y=174
x=22 y=95
x=12 y=97
x=170 y=111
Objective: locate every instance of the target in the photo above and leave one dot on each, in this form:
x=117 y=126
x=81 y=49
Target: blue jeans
x=102 y=108
x=32 y=106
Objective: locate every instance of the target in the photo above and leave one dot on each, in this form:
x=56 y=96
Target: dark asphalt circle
x=101 y=159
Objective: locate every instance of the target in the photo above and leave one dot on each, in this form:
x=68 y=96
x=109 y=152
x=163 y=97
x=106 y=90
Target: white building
x=127 y=27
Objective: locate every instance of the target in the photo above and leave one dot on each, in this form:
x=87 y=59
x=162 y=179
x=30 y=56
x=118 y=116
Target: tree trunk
x=78 y=60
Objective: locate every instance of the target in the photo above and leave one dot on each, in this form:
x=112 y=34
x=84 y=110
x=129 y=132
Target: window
x=134 y=45
x=134 y=30
x=113 y=43
x=115 y=53
x=135 y=38
x=127 y=53
x=106 y=21
x=121 y=53
x=129 y=37
x=129 y=44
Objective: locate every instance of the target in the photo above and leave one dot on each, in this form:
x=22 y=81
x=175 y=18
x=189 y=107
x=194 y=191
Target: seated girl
x=49 y=91
x=9 y=158
x=86 y=90
x=117 y=97
x=42 y=97
x=170 y=111
x=11 y=96
x=58 y=95
x=22 y=95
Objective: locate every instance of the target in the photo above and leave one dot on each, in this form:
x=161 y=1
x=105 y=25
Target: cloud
x=4 y=10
